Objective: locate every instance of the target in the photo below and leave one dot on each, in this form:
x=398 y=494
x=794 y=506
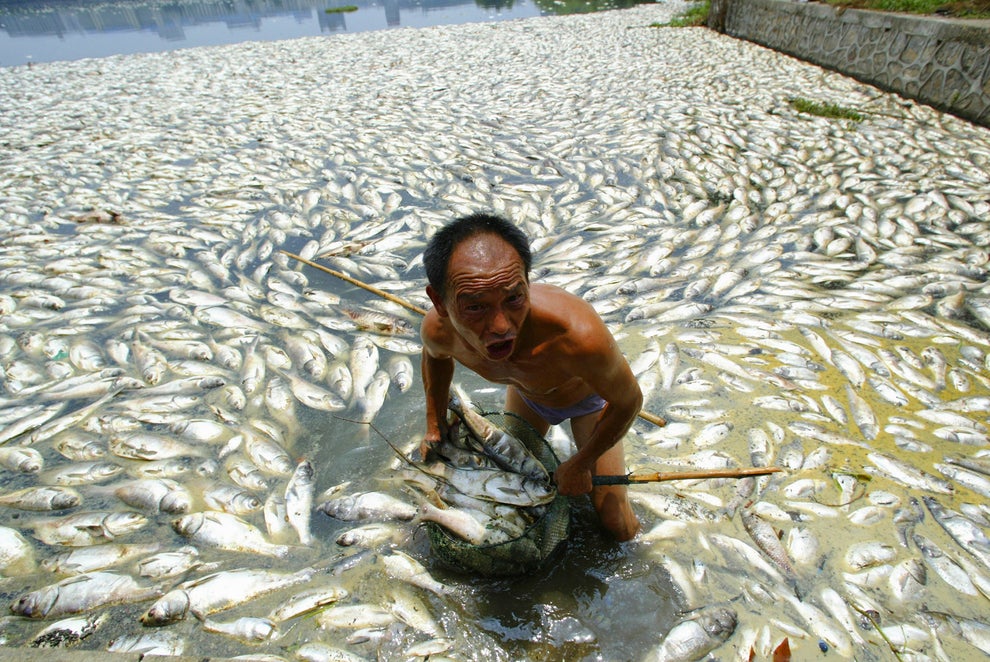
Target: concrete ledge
x=70 y=655
x=942 y=62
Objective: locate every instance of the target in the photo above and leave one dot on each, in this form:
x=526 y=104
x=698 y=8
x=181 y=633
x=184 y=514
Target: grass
x=953 y=8
x=697 y=14
x=340 y=10
x=694 y=16
x=830 y=110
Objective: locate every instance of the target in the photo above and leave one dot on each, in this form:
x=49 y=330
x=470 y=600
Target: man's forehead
x=477 y=289
x=483 y=255
x=484 y=248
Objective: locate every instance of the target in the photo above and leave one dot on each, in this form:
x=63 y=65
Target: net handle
x=632 y=479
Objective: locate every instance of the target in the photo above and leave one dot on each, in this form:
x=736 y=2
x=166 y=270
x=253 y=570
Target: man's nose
x=500 y=322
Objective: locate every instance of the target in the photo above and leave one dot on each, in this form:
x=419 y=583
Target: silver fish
x=368 y=505
x=400 y=370
x=157 y=642
x=229 y=498
x=42 y=498
x=82 y=593
x=355 y=616
x=944 y=566
x=695 y=636
x=908 y=475
x=371 y=535
x=96 y=557
x=217 y=592
x=249 y=629
x=88 y=528
x=363 y=364
x=299 y=501
x=968 y=535
x=308 y=601
x=228 y=532
x=313 y=396
x=16 y=553
x=507 y=451
x=68 y=632
x=21 y=458
x=768 y=541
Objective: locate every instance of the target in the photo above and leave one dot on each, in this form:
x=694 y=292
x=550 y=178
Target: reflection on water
x=44 y=32
x=571 y=609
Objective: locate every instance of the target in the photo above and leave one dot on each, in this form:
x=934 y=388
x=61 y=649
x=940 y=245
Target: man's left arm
x=606 y=370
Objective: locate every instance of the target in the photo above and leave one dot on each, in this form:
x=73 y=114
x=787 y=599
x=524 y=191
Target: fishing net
x=520 y=555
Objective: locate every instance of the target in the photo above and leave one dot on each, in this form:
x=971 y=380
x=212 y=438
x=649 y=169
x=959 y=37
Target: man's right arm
x=437 y=371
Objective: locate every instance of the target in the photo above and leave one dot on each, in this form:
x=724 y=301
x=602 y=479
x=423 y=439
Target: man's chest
x=529 y=374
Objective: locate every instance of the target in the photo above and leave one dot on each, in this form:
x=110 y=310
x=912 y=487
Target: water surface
x=48 y=31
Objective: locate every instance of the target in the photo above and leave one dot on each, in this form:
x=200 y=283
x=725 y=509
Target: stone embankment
x=938 y=61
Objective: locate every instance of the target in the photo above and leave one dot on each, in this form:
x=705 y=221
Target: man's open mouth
x=500 y=350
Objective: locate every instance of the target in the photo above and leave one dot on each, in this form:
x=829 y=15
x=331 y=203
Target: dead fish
x=368 y=505
x=906 y=474
x=82 y=593
x=696 y=636
x=249 y=629
x=308 y=601
x=228 y=532
x=42 y=498
x=68 y=632
x=768 y=541
x=217 y=592
x=299 y=500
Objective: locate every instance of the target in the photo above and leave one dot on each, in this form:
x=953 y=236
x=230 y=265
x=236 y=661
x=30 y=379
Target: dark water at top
x=33 y=31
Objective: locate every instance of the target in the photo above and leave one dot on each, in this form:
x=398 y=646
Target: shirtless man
x=549 y=347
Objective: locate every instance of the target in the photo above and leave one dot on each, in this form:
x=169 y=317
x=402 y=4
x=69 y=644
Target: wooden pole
x=631 y=479
x=646 y=416
x=653 y=418
x=354 y=281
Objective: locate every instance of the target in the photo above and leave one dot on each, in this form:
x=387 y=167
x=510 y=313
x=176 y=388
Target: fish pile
x=481 y=486
x=488 y=487
x=177 y=393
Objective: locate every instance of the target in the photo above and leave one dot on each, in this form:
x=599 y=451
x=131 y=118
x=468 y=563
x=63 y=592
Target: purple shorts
x=557 y=415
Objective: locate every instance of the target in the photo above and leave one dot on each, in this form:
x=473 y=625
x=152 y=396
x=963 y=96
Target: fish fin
x=782 y=653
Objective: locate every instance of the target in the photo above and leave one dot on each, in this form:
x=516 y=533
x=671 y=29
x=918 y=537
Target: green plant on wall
x=956 y=8
x=830 y=110
x=694 y=16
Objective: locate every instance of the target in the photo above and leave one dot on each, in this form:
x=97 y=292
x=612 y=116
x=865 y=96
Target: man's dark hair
x=442 y=244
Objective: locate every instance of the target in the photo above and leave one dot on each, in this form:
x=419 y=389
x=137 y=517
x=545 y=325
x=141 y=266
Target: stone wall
x=941 y=62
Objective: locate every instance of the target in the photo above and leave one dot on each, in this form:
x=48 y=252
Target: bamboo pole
x=653 y=418
x=631 y=479
x=646 y=416
x=354 y=281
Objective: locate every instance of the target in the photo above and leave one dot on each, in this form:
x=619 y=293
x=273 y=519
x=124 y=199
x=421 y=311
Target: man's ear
x=437 y=300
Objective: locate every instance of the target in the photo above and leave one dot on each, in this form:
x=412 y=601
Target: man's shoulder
x=556 y=301
x=435 y=332
x=578 y=323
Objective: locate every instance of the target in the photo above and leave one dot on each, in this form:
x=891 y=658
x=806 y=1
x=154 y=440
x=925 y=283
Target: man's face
x=487 y=298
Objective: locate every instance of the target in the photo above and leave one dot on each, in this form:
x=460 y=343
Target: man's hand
x=426 y=447
x=573 y=477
